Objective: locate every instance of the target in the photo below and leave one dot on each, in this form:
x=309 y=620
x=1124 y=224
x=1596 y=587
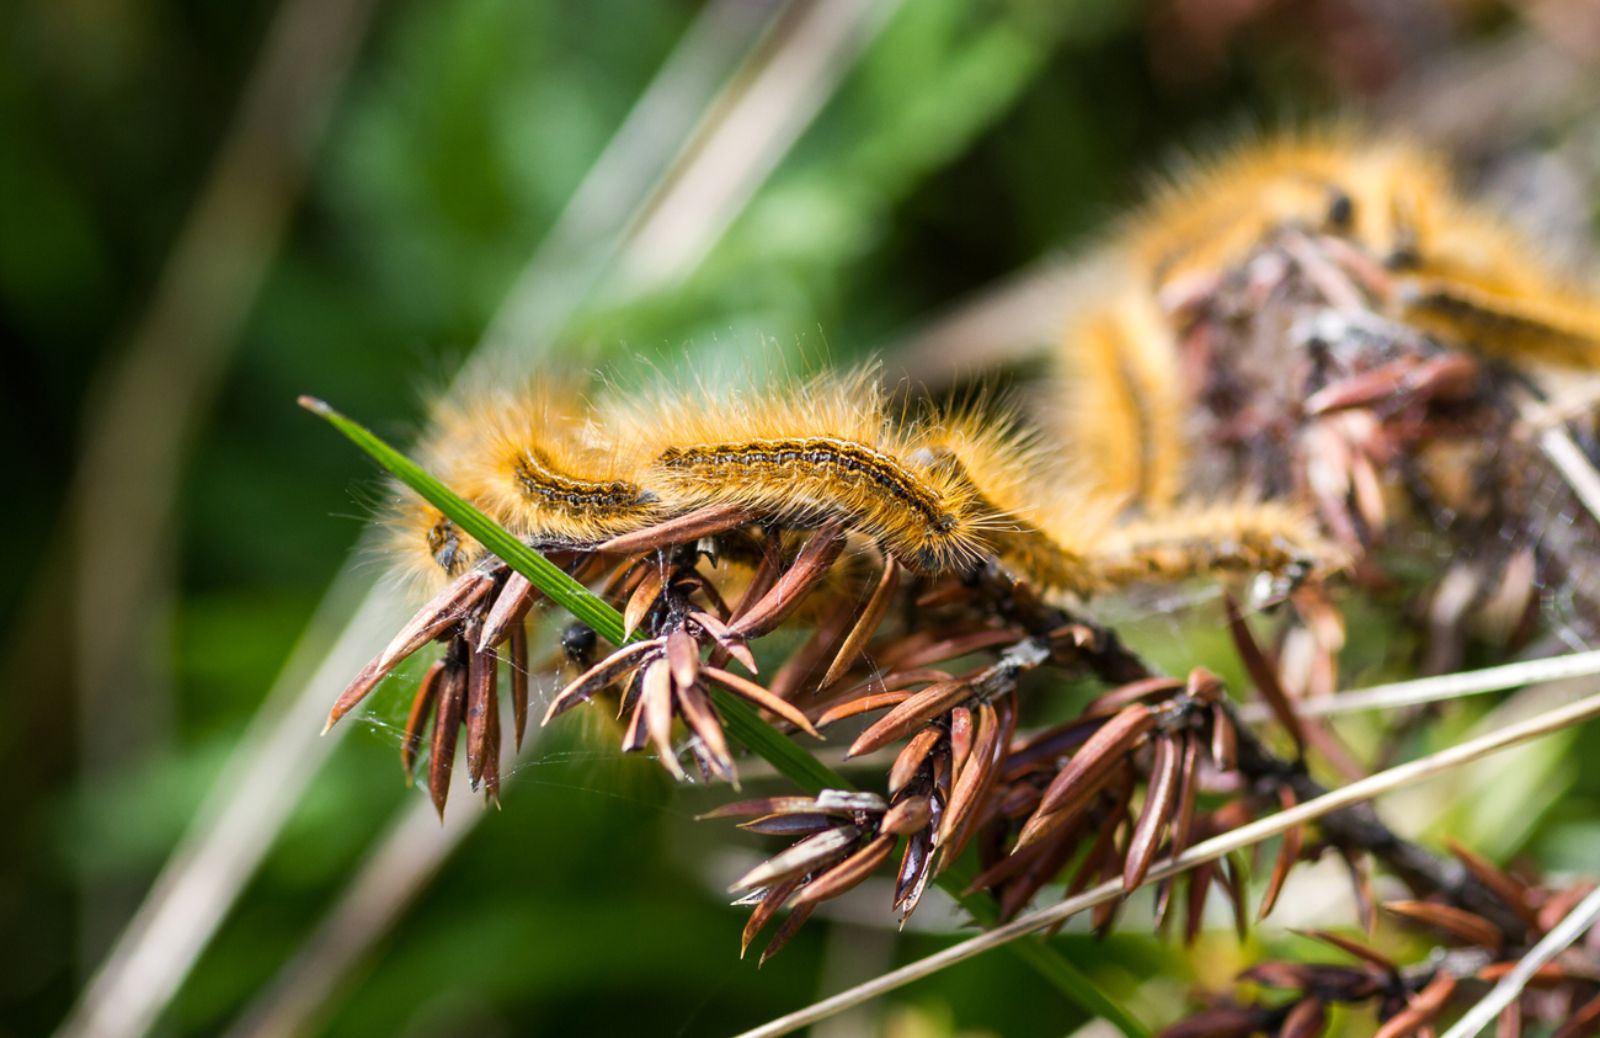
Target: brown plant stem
x=1354 y=829
x=1360 y=829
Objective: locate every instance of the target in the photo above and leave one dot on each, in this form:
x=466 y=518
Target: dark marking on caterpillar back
x=538 y=480
x=842 y=457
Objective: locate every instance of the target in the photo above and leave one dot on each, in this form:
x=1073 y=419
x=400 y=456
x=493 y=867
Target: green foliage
x=969 y=139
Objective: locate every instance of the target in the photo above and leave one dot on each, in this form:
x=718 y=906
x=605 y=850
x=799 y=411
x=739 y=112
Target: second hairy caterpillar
x=1048 y=519
x=1198 y=538
x=1463 y=271
x=1546 y=319
x=1123 y=398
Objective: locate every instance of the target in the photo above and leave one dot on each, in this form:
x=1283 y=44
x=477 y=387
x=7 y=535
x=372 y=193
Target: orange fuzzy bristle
x=803 y=454
x=1478 y=283
x=1016 y=476
x=1378 y=191
x=539 y=469
x=526 y=458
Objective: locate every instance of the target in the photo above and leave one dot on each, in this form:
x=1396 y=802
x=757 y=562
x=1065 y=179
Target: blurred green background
x=388 y=171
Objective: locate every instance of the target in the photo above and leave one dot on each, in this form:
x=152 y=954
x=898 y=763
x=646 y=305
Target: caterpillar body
x=1515 y=307
x=824 y=449
x=1461 y=271
x=1203 y=539
x=1543 y=329
x=939 y=493
x=541 y=471
x=1135 y=363
x=1039 y=531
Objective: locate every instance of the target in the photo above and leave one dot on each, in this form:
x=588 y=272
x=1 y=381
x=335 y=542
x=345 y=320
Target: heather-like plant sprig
x=741 y=720
x=1345 y=806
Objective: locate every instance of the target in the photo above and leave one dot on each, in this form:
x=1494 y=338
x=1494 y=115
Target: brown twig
x=1355 y=829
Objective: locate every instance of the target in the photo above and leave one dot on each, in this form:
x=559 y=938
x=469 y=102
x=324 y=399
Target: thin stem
x=1575 y=925
x=1361 y=829
x=145 y=406
x=1574 y=467
x=1442 y=687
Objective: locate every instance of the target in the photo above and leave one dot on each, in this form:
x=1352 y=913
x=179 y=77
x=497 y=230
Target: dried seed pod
x=808 y=855
x=848 y=873
x=442 y=613
x=755 y=694
x=866 y=623
x=421 y=707
x=1422 y=1008
x=601 y=676
x=1306 y=1019
x=1103 y=751
x=1264 y=675
x=1288 y=855
x=809 y=568
x=446 y=722
x=911 y=714
x=1157 y=810
x=911 y=758
x=1466 y=927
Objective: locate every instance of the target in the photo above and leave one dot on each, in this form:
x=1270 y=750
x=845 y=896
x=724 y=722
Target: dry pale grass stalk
x=1437 y=689
x=1569 y=459
x=1509 y=988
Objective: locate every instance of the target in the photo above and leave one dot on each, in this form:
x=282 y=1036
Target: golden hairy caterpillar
x=1045 y=514
x=1136 y=358
x=803 y=454
x=1462 y=272
x=940 y=494
x=528 y=459
x=425 y=547
x=539 y=468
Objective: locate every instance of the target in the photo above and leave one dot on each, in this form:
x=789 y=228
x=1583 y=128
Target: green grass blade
x=741 y=720
x=546 y=576
x=746 y=726
x=1076 y=985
